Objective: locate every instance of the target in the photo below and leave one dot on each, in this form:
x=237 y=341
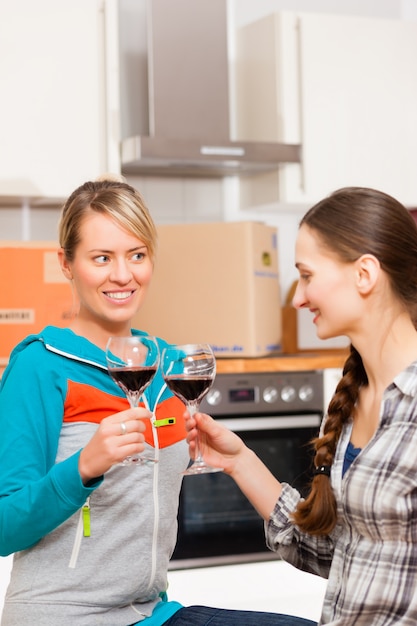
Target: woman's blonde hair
x=112 y=196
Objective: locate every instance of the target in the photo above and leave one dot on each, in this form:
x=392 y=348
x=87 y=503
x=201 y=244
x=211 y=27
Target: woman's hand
x=219 y=446
x=117 y=436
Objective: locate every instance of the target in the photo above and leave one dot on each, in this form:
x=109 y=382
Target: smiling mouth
x=315 y=313
x=119 y=295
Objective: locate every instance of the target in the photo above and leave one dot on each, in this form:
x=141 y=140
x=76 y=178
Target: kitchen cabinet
x=345 y=88
x=59 y=110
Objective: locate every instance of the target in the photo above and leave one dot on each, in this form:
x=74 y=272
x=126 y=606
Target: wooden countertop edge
x=280 y=363
x=283 y=363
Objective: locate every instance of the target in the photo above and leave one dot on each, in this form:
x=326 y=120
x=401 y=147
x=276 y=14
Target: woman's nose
x=121 y=272
x=299 y=299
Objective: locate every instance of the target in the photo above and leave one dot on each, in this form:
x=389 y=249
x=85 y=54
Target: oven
x=276 y=414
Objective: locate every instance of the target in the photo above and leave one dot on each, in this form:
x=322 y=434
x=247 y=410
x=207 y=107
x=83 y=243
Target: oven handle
x=271 y=423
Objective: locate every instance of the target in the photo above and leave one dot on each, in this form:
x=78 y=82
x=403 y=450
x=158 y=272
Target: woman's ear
x=65 y=266
x=367 y=272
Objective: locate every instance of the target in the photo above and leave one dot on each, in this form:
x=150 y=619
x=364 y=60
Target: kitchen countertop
x=320 y=359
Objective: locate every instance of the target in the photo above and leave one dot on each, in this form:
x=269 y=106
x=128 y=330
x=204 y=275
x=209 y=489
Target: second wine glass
x=189 y=371
x=132 y=362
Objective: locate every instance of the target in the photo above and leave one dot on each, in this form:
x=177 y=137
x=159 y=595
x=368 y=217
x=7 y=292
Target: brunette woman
x=356 y=253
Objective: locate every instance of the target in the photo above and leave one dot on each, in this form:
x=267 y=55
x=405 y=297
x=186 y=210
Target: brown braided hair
x=351 y=222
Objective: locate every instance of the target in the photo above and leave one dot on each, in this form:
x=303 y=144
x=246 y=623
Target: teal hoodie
x=84 y=555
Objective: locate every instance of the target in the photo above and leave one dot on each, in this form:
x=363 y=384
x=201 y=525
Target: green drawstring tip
x=164 y=422
x=86 y=521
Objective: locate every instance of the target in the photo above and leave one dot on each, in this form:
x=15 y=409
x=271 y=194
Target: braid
x=317 y=514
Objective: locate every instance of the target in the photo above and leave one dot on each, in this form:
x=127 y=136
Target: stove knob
x=270 y=395
x=288 y=393
x=306 y=393
x=214 y=397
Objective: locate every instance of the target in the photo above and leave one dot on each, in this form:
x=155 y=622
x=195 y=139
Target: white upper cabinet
x=345 y=88
x=59 y=113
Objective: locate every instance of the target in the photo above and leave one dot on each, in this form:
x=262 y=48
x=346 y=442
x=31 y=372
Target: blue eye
x=103 y=258
x=139 y=256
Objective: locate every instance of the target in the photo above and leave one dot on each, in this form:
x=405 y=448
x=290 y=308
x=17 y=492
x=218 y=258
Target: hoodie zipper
x=155 y=487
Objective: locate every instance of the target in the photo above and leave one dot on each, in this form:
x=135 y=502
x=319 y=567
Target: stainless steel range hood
x=188 y=93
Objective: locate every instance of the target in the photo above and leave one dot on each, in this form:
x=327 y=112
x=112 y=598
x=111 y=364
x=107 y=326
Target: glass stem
x=133 y=398
x=192 y=409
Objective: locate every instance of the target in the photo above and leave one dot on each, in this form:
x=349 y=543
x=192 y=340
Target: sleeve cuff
x=68 y=483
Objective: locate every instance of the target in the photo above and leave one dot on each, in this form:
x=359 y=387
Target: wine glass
x=189 y=371
x=132 y=362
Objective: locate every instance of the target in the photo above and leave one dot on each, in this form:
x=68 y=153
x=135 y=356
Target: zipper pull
x=86 y=518
x=167 y=421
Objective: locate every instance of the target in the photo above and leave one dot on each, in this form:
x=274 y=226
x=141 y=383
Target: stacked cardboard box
x=33 y=294
x=216 y=283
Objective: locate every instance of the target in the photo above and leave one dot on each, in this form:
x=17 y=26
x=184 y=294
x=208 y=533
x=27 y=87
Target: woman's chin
x=323 y=335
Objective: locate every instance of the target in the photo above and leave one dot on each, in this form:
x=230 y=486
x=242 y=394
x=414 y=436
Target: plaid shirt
x=370 y=559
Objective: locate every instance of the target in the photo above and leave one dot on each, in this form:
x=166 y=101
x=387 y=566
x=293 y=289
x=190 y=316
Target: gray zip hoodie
x=84 y=555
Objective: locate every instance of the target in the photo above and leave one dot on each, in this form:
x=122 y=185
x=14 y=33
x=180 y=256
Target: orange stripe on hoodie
x=85 y=403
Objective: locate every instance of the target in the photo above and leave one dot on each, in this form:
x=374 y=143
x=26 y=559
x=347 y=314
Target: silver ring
x=123 y=428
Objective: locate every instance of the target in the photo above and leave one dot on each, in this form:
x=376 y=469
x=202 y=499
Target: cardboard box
x=216 y=283
x=34 y=292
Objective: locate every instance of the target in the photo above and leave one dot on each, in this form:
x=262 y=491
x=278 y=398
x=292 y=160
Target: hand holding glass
x=189 y=371
x=132 y=362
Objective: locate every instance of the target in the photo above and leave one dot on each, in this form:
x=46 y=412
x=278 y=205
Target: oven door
x=217 y=524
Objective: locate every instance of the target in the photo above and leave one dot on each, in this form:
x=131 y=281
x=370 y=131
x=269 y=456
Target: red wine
x=189 y=389
x=134 y=379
